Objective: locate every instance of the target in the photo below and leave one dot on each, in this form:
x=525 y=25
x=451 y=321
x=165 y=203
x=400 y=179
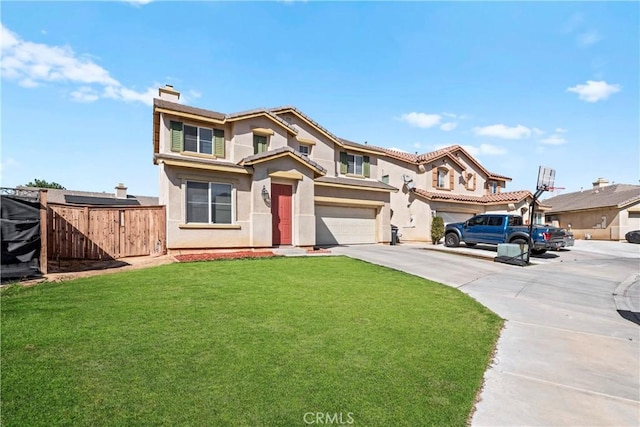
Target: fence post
x=44 y=259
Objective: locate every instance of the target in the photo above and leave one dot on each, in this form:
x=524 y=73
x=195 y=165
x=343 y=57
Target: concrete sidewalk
x=566 y=356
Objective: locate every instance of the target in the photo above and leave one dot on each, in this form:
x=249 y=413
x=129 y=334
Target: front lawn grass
x=257 y=342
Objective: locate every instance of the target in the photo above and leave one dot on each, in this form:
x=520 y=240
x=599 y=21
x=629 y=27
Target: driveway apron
x=568 y=354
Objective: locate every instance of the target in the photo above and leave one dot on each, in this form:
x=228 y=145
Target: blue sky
x=518 y=84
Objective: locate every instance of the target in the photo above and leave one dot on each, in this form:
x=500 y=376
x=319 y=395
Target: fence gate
x=89 y=232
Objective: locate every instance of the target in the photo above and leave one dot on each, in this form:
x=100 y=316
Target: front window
x=493 y=187
x=209 y=203
x=354 y=164
x=198 y=140
x=442 y=178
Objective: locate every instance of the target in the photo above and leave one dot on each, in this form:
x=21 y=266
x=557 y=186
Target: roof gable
x=283 y=152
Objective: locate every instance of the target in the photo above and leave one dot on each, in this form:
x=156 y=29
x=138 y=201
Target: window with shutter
x=176 y=136
x=343 y=163
x=218 y=138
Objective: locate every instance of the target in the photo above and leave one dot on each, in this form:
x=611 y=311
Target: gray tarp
x=20 y=229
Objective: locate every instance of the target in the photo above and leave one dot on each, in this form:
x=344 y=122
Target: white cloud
x=537 y=131
x=488 y=149
x=554 y=139
x=33 y=64
x=449 y=115
x=421 y=120
x=85 y=94
x=595 y=91
x=502 y=131
x=589 y=38
x=560 y=130
x=138 y=2
x=448 y=126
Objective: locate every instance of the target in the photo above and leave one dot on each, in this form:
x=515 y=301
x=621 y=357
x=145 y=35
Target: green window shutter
x=343 y=162
x=218 y=142
x=176 y=136
x=366 y=167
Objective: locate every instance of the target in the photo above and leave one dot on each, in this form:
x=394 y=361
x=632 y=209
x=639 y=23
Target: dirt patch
x=76 y=265
x=223 y=255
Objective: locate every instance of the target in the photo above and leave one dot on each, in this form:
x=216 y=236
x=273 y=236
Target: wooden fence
x=89 y=232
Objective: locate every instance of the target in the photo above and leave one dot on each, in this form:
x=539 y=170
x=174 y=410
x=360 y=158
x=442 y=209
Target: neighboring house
x=605 y=212
x=273 y=176
x=90 y=198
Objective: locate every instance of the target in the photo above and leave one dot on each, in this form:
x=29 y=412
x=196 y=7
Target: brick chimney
x=121 y=191
x=168 y=93
x=599 y=183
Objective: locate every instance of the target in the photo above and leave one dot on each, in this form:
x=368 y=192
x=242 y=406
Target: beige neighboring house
x=273 y=176
x=604 y=212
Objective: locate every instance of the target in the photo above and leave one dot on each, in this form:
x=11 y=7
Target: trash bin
x=394 y=235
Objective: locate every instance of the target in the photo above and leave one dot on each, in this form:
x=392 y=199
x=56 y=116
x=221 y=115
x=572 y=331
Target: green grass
x=244 y=342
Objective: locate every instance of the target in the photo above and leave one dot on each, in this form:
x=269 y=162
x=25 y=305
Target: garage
x=345 y=225
x=450 y=217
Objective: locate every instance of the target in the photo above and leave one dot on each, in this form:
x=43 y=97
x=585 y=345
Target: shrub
x=437 y=230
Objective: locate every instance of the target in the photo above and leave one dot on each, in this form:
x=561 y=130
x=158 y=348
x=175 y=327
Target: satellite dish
x=410 y=185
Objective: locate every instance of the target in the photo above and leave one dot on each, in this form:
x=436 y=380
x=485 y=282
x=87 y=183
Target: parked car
x=567 y=237
x=500 y=228
x=633 y=236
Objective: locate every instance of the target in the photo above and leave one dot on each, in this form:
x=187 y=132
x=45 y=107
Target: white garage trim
x=345 y=225
x=321 y=200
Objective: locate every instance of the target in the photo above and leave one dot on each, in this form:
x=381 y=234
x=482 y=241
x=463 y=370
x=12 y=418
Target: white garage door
x=341 y=225
x=449 y=217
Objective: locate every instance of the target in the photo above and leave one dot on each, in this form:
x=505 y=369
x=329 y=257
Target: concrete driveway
x=566 y=356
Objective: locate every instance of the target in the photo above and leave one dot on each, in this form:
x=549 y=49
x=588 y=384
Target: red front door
x=281 y=213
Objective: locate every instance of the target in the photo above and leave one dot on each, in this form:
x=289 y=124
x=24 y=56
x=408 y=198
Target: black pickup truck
x=501 y=228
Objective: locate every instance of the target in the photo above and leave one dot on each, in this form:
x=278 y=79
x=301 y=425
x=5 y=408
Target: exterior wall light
x=265 y=195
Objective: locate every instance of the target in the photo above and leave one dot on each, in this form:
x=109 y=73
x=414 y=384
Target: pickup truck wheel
x=451 y=240
x=538 y=251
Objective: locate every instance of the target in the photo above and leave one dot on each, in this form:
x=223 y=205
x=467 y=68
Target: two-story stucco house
x=272 y=177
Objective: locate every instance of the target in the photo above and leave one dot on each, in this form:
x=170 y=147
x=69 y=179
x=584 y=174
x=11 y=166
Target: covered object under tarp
x=20 y=230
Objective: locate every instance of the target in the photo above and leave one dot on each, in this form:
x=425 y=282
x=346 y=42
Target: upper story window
x=354 y=164
x=304 y=149
x=260 y=144
x=493 y=187
x=209 y=202
x=443 y=178
x=195 y=139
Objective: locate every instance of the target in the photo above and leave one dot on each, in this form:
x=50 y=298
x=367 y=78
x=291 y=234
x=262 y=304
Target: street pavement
x=569 y=353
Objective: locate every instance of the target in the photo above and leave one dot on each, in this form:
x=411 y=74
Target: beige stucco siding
x=181 y=235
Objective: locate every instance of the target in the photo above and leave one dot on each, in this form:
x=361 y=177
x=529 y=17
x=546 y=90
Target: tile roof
x=507 y=197
x=203 y=161
x=284 y=108
x=271 y=153
x=616 y=195
x=356 y=182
